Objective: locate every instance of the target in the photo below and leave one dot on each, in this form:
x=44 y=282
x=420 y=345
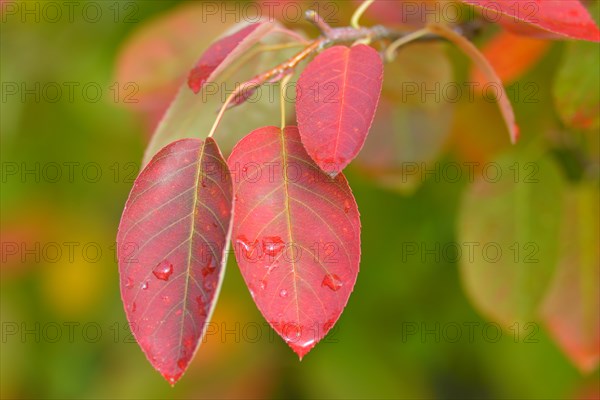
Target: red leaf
x=172 y=241
x=566 y=18
x=337 y=95
x=221 y=53
x=297 y=239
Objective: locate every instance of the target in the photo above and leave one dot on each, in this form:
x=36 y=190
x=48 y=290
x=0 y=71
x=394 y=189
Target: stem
x=331 y=36
x=291 y=34
x=227 y=101
x=359 y=12
x=282 y=101
x=389 y=53
x=241 y=62
x=314 y=18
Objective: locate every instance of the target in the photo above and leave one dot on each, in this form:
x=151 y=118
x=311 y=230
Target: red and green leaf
x=224 y=51
x=172 y=245
x=572 y=307
x=513 y=227
x=577 y=87
x=191 y=115
x=337 y=96
x=566 y=18
x=296 y=235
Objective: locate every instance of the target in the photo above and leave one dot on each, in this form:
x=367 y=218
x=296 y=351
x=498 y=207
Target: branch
x=331 y=36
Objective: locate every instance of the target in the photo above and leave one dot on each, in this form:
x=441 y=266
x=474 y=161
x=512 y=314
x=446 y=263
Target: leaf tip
x=515 y=134
x=301 y=350
x=195 y=80
x=172 y=379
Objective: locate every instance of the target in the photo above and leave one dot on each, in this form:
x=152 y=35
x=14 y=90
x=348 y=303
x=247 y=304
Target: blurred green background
x=71 y=145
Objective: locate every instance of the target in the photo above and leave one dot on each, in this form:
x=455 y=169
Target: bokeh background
x=83 y=87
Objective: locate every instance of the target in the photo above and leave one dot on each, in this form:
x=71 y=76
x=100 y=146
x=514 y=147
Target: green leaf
x=577 y=86
x=192 y=116
x=413 y=119
x=571 y=309
x=510 y=217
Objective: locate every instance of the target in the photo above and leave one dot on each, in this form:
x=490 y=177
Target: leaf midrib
x=289 y=218
x=191 y=239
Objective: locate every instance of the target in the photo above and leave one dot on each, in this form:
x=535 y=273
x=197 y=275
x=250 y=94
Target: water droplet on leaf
x=272 y=245
x=332 y=281
x=246 y=246
x=163 y=270
x=129 y=283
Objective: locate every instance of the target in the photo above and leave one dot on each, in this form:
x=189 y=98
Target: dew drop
x=129 y=283
x=332 y=281
x=206 y=271
x=145 y=285
x=263 y=284
x=272 y=245
x=181 y=363
x=214 y=224
x=201 y=306
x=346 y=206
x=163 y=270
x=291 y=332
x=209 y=285
x=283 y=293
x=328 y=325
x=246 y=246
x=133 y=307
x=208 y=268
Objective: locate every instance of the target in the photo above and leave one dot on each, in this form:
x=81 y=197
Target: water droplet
x=181 y=363
x=201 y=306
x=171 y=379
x=133 y=307
x=215 y=224
x=291 y=332
x=332 y=281
x=165 y=299
x=272 y=245
x=208 y=268
x=328 y=325
x=346 y=206
x=209 y=285
x=263 y=284
x=203 y=183
x=163 y=270
x=129 y=282
x=283 y=293
x=207 y=271
x=246 y=246
x=145 y=285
